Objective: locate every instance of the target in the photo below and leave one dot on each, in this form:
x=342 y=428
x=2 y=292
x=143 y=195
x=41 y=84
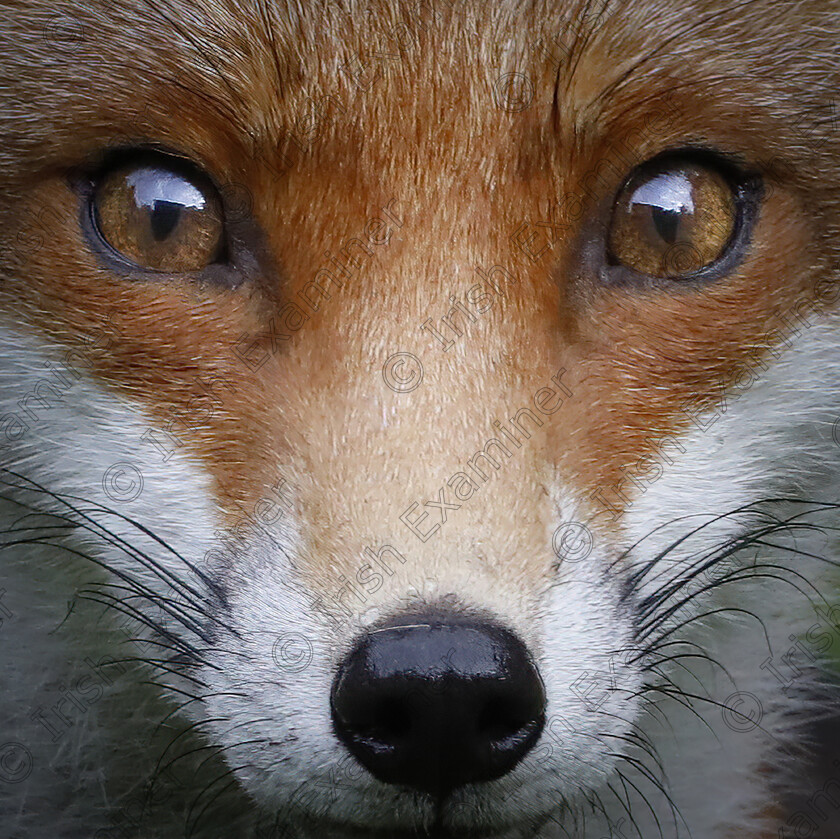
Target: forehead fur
x=247 y=72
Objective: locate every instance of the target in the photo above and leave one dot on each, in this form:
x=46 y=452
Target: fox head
x=388 y=343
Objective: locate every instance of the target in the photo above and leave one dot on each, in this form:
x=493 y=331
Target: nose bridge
x=447 y=333
x=450 y=484
x=431 y=432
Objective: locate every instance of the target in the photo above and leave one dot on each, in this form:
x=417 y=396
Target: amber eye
x=159 y=217
x=672 y=219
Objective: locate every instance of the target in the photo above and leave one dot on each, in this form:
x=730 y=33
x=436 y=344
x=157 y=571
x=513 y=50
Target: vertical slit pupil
x=666 y=222
x=165 y=217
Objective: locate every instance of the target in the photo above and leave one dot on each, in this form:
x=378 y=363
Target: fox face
x=422 y=375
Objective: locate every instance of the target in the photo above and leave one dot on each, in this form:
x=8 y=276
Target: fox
x=419 y=419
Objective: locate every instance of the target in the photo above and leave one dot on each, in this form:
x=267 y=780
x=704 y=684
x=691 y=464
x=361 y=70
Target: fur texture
x=242 y=464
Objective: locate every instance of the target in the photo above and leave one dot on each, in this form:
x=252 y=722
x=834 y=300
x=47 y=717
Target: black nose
x=436 y=704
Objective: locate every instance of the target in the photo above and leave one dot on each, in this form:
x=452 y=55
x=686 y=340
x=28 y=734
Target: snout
x=435 y=703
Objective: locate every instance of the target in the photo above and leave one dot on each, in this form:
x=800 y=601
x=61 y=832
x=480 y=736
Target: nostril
x=502 y=718
x=383 y=721
x=393 y=720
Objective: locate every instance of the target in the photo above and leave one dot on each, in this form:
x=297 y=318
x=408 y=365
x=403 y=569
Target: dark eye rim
x=747 y=191
x=85 y=183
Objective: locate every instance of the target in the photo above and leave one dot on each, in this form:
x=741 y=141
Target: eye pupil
x=667 y=223
x=164 y=219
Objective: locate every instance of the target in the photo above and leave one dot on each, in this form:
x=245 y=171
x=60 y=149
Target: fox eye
x=673 y=218
x=159 y=217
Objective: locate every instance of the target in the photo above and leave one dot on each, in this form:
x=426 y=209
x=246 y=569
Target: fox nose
x=436 y=704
